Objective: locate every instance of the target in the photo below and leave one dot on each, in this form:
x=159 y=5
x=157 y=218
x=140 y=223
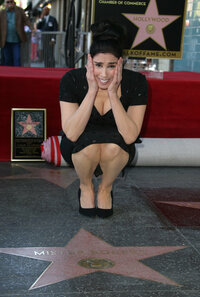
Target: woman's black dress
x=100 y=128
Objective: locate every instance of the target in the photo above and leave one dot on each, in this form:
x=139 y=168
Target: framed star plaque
x=28 y=131
x=155 y=28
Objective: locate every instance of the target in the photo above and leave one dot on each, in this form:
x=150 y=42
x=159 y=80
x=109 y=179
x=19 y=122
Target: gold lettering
x=141 y=19
x=107 y=2
x=137 y=3
x=160 y=20
x=148 y=53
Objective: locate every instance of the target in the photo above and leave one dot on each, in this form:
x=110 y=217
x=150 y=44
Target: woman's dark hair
x=107 y=37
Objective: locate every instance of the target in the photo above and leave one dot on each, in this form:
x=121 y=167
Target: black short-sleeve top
x=102 y=128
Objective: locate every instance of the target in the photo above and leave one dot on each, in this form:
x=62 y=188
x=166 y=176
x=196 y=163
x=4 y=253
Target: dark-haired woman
x=102 y=111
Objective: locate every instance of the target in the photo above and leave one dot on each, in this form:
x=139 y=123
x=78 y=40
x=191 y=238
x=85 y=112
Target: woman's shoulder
x=74 y=81
x=75 y=73
x=134 y=86
x=131 y=79
x=130 y=74
x=75 y=76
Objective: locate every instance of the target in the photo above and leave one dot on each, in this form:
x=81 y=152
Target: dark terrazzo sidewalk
x=150 y=247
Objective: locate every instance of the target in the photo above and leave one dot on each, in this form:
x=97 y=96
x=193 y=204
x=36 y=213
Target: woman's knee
x=90 y=152
x=110 y=151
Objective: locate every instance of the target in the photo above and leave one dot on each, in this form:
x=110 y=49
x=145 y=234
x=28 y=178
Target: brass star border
x=85 y=253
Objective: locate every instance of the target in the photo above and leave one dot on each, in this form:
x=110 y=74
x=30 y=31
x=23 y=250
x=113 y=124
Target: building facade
x=191 y=49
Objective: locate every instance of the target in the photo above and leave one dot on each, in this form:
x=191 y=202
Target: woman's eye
x=98 y=65
x=112 y=66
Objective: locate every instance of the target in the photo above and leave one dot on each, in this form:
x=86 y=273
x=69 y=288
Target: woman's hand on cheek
x=113 y=87
x=92 y=83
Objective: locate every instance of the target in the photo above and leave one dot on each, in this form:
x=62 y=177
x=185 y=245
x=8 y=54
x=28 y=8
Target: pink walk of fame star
x=29 y=125
x=150 y=24
x=57 y=177
x=85 y=253
x=195 y=205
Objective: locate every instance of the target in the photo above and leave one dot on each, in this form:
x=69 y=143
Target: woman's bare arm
x=129 y=123
x=74 y=117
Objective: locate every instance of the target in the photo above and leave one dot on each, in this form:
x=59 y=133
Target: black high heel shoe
x=104 y=213
x=89 y=212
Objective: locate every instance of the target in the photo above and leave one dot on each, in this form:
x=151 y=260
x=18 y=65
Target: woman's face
x=104 y=69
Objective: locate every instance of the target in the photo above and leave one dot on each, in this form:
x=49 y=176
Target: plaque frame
x=28 y=131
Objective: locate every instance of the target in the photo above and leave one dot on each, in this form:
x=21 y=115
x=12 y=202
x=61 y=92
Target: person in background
x=12 y=22
x=35 y=38
x=102 y=111
x=47 y=24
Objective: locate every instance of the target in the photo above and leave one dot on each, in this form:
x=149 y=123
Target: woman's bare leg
x=112 y=161
x=85 y=163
